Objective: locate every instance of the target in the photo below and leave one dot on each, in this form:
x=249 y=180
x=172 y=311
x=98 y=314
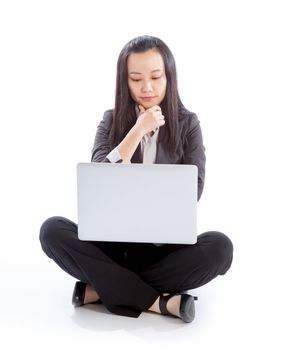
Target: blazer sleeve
x=102 y=146
x=194 y=150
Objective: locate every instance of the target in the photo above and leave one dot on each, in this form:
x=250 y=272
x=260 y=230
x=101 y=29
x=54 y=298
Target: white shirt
x=148 y=147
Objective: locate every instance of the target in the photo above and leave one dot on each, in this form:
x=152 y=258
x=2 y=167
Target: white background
x=57 y=77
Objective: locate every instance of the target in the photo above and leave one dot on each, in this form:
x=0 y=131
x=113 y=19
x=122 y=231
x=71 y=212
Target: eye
x=135 y=79
x=155 y=78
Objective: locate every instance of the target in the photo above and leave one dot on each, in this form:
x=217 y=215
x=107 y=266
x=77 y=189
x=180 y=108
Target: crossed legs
x=130 y=277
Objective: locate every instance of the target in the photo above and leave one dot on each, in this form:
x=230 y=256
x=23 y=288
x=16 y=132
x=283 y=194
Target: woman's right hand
x=149 y=119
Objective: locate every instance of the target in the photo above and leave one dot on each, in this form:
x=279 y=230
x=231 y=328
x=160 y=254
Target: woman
x=149 y=124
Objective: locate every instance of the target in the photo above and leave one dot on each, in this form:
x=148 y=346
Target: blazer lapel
x=160 y=153
x=137 y=157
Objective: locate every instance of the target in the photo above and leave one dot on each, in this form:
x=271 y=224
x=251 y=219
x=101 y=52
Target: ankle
x=173 y=305
x=155 y=306
x=91 y=295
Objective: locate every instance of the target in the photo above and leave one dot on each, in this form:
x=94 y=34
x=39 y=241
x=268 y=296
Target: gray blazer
x=189 y=150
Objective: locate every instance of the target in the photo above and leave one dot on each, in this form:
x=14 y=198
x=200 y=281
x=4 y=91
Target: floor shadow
x=96 y=318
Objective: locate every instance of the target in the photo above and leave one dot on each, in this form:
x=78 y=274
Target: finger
x=141 y=109
x=162 y=122
x=155 y=108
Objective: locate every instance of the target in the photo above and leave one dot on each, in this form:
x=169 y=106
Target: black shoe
x=186 y=308
x=79 y=294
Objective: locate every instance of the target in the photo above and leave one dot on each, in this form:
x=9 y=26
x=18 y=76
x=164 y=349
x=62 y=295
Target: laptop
x=147 y=203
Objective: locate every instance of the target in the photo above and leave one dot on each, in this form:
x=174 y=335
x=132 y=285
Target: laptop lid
x=151 y=203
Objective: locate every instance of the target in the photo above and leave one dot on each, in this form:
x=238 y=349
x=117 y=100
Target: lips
x=147 y=97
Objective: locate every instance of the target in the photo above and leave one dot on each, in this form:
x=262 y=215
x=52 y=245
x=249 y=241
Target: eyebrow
x=153 y=71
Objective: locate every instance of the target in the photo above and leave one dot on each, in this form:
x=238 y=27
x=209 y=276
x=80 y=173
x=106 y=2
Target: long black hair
x=124 y=116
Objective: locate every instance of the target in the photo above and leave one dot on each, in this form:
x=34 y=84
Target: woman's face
x=146 y=78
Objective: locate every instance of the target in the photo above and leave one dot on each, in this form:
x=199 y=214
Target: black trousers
x=129 y=277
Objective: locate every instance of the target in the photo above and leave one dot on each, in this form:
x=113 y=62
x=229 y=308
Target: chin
x=147 y=105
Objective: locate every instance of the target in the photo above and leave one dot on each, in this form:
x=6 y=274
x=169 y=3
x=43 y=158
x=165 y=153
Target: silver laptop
x=151 y=203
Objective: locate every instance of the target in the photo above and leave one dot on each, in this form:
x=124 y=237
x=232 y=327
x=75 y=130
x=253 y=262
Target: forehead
x=143 y=62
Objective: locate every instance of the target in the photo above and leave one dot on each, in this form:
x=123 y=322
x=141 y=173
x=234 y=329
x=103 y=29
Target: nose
x=146 y=87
